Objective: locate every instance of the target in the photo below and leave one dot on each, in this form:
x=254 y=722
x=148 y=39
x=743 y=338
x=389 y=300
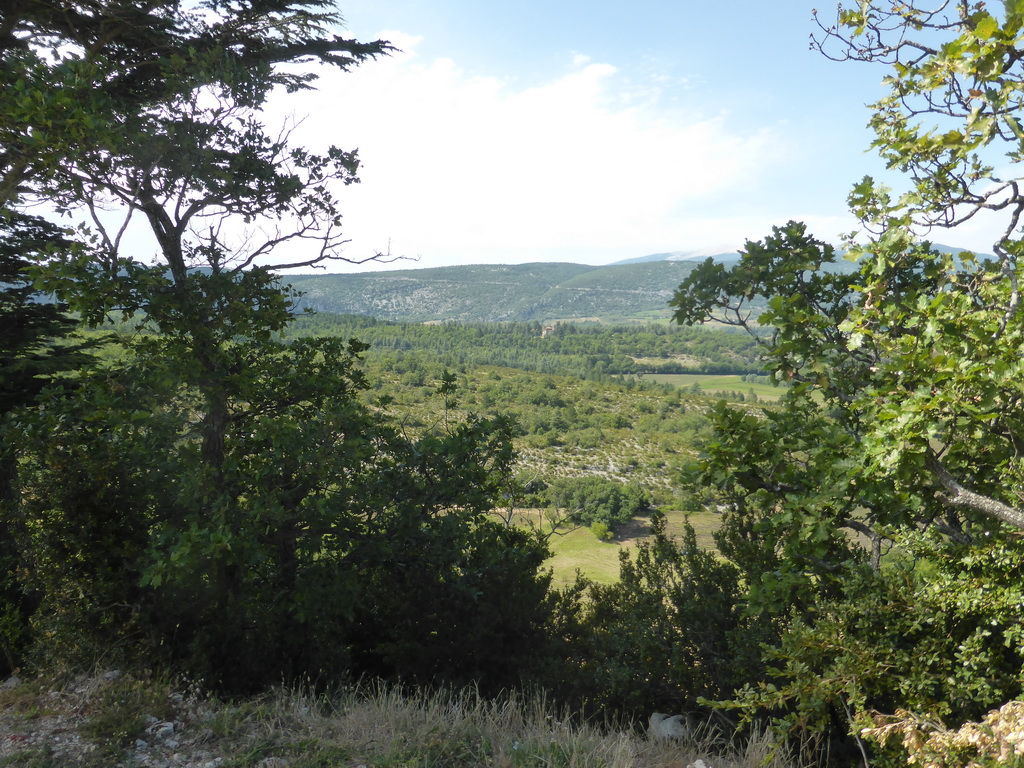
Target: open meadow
x=578 y=549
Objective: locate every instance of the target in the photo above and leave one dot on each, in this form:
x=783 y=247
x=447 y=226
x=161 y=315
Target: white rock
x=663 y=727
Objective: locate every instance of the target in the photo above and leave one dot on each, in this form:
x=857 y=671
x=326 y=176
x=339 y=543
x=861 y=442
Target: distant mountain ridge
x=541 y=291
x=631 y=290
x=721 y=253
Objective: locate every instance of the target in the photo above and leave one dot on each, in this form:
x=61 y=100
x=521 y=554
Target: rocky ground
x=105 y=720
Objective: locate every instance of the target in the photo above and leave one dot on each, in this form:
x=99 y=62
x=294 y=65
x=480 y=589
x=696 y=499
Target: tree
x=589 y=500
x=35 y=349
x=33 y=335
x=668 y=632
x=215 y=496
x=904 y=417
x=959 y=65
x=808 y=513
x=179 y=141
x=73 y=71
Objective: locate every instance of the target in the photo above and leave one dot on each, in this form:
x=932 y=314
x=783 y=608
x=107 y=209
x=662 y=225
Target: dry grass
x=382 y=726
x=368 y=726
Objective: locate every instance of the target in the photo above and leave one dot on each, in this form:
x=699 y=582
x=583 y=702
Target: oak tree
x=903 y=412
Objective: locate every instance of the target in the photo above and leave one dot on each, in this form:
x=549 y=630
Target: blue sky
x=591 y=131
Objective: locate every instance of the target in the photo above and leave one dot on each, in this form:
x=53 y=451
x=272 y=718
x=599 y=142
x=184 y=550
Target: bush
x=452 y=603
x=322 y=520
x=917 y=637
x=671 y=631
x=588 y=500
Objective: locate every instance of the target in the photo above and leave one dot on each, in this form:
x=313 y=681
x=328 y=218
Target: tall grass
x=372 y=726
x=377 y=725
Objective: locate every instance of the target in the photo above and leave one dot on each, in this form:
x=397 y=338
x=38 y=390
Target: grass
x=121 y=708
x=579 y=549
x=713 y=383
x=369 y=725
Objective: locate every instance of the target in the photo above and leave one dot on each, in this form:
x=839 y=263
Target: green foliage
x=589 y=427
x=34 y=343
x=671 y=631
x=945 y=640
x=384 y=632
x=589 y=500
x=321 y=522
x=587 y=350
x=454 y=604
x=37 y=350
x=902 y=421
x=796 y=484
x=117 y=65
x=944 y=333
x=216 y=498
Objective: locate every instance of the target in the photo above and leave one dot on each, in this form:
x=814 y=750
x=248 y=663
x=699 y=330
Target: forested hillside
x=487 y=293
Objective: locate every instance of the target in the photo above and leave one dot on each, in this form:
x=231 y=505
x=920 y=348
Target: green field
x=713 y=383
x=579 y=549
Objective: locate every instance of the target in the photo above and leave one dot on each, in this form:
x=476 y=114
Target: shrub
x=671 y=631
x=589 y=500
x=322 y=520
x=938 y=636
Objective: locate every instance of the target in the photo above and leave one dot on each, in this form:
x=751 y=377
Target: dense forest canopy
x=581 y=349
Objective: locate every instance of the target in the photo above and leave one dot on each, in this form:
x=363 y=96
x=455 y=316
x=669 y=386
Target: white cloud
x=460 y=168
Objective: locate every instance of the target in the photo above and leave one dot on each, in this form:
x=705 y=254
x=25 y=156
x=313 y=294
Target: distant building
x=548 y=330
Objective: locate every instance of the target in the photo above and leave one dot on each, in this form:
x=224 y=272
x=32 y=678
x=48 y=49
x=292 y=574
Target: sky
x=590 y=132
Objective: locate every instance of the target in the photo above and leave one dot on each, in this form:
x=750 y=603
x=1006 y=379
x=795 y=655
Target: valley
x=586 y=401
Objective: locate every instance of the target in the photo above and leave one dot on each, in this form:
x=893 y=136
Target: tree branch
x=956 y=495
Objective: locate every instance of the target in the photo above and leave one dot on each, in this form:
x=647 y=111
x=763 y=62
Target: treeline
x=577 y=349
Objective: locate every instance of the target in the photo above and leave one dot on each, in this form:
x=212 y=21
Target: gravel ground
x=41 y=727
